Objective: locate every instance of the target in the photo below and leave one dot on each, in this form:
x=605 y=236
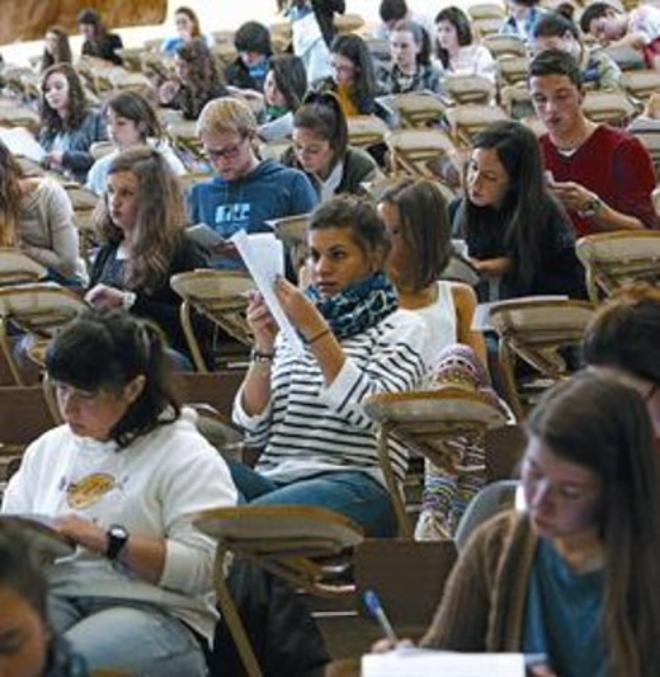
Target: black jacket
x=162 y=304
x=325 y=10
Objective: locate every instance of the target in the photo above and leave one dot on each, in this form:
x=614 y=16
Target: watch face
x=117 y=531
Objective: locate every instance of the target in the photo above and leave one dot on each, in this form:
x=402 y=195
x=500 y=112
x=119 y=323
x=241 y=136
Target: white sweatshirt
x=150 y=487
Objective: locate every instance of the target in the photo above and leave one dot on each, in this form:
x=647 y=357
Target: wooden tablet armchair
x=413 y=150
x=614 y=259
x=614 y=107
x=418 y=109
x=292 y=230
x=307 y=546
x=486 y=10
x=426 y=422
x=366 y=130
x=504 y=45
x=534 y=330
x=18 y=268
x=218 y=295
x=470 y=89
x=39 y=310
x=512 y=69
x=470 y=119
x=641 y=84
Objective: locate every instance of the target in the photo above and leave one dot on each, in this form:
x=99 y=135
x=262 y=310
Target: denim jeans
x=128 y=636
x=351 y=493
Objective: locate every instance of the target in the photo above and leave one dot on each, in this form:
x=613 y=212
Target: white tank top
x=440 y=319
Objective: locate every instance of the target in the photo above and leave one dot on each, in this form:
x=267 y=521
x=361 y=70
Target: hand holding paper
x=263 y=256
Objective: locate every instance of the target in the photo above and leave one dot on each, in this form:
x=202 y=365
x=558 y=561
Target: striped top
x=308 y=428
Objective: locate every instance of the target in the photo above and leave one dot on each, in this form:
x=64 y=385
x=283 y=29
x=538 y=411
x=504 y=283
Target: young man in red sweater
x=602 y=175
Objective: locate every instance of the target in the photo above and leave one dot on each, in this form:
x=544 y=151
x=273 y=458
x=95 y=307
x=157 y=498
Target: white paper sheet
x=21 y=142
x=421 y=663
x=263 y=255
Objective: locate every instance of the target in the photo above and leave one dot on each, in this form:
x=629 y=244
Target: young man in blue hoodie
x=246 y=191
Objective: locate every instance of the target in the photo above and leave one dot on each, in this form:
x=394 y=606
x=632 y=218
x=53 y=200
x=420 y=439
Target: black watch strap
x=117 y=539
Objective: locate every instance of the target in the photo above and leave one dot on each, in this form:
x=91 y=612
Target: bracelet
x=318 y=336
x=261 y=358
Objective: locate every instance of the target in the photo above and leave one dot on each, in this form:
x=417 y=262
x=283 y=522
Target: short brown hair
x=427 y=233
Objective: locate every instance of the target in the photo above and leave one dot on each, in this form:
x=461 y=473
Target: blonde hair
x=229 y=114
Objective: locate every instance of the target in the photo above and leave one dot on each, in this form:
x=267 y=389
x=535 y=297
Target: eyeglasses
x=342 y=68
x=228 y=153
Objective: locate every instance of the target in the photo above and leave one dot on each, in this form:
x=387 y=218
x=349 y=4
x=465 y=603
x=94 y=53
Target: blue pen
x=375 y=608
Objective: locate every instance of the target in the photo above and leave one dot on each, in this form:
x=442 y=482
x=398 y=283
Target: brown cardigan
x=483 y=606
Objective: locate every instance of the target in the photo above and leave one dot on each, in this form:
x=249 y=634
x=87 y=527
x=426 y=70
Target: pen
x=375 y=608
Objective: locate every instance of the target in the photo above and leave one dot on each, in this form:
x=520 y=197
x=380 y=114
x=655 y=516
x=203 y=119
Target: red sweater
x=612 y=164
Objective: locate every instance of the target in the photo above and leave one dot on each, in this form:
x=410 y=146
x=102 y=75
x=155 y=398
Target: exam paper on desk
x=422 y=663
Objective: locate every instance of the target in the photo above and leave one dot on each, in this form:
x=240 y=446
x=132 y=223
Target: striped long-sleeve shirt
x=308 y=428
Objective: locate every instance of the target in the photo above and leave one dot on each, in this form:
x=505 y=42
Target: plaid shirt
x=395 y=82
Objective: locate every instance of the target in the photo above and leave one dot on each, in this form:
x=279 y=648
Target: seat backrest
x=505 y=45
x=24 y=414
x=217 y=388
x=408 y=577
x=488 y=502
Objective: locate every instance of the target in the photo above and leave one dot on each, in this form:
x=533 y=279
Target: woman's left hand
x=82 y=531
x=299 y=309
x=102 y=296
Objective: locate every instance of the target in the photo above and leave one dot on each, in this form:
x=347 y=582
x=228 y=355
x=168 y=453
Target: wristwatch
x=594 y=205
x=117 y=539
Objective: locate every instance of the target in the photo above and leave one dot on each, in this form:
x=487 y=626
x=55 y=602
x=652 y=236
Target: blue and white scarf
x=359 y=306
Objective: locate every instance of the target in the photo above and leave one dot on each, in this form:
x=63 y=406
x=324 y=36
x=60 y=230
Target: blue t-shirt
x=271 y=191
x=563 y=616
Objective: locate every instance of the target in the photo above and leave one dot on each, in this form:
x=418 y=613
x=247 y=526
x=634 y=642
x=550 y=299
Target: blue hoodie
x=271 y=191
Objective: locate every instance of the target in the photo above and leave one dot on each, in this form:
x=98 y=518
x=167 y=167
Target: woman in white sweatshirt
x=121 y=479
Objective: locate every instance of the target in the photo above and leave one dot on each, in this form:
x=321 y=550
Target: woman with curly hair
x=36 y=216
x=141 y=225
x=56 y=48
x=197 y=80
x=68 y=126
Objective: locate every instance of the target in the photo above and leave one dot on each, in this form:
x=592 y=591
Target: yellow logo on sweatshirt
x=89 y=490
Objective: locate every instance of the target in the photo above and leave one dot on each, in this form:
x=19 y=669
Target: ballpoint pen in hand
x=375 y=608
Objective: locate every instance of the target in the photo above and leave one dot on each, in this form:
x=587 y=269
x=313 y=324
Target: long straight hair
x=524 y=208
x=62 y=51
x=604 y=426
x=355 y=49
